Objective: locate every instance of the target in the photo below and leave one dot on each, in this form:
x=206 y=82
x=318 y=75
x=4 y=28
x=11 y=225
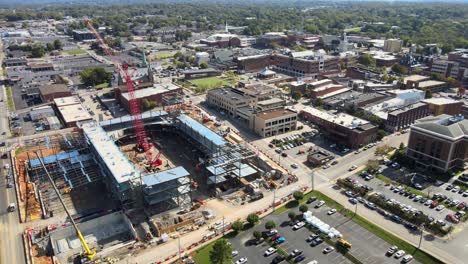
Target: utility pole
x=312 y=180
x=224 y=228
x=274 y=198
x=421 y=236
x=178 y=242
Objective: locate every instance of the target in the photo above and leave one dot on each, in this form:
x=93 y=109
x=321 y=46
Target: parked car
x=241 y=260
x=295 y=253
x=320 y=204
x=440 y=207
x=353 y=200
x=406 y=259
x=316 y=242
x=328 y=250
x=311 y=237
x=311 y=199
x=331 y=211
x=299 y=259
x=270 y=251
x=280 y=240
x=352 y=168
x=399 y=254
x=278 y=259
x=299 y=225
x=391 y=250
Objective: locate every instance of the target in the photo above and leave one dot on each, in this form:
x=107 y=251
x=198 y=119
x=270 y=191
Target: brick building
x=154 y=93
x=342 y=128
x=439 y=106
x=439 y=143
x=223 y=40
x=49 y=92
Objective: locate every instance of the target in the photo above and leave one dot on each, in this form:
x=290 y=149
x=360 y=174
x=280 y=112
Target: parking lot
x=366 y=246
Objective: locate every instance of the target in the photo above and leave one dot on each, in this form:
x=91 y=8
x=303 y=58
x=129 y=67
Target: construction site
x=111 y=187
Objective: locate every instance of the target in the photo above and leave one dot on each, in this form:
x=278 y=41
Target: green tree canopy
x=298 y=195
x=58 y=44
x=237 y=225
x=252 y=218
x=292 y=215
x=37 y=50
x=367 y=60
x=257 y=234
x=296 y=95
x=221 y=253
x=95 y=75
x=270 y=224
x=303 y=208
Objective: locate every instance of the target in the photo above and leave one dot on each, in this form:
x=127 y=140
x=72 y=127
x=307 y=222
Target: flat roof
x=155 y=89
x=275 y=114
x=341 y=119
x=441 y=101
x=415 y=78
x=271 y=101
x=165 y=176
x=430 y=83
x=53 y=88
x=202 y=130
x=340 y=91
x=74 y=113
x=69 y=100
x=120 y=167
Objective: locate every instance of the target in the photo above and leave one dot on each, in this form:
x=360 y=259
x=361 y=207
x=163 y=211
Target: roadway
x=11 y=242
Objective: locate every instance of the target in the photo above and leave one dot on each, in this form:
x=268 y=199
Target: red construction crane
x=140 y=133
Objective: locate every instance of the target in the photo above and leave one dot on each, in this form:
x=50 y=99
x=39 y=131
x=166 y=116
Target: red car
x=434 y=204
x=275 y=237
x=461 y=205
x=452 y=218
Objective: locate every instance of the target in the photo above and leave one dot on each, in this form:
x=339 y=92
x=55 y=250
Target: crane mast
x=140 y=132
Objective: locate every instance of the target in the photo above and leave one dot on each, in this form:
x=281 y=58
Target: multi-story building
x=342 y=128
x=392 y=45
x=446 y=68
x=325 y=87
x=439 y=106
x=80 y=35
x=274 y=122
x=222 y=40
x=439 y=142
x=228 y=100
x=305 y=63
x=405 y=116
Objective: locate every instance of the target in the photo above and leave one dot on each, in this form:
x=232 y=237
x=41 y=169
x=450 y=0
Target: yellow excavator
x=88 y=253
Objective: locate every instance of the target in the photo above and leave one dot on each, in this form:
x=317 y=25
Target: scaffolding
x=173 y=98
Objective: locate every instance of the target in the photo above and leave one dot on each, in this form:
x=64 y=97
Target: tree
x=95 y=75
x=270 y=224
x=37 y=50
x=402 y=146
x=252 y=219
x=399 y=69
x=298 y=195
x=292 y=215
x=428 y=94
x=50 y=47
x=367 y=60
x=257 y=234
x=58 y=44
x=203 y=65
x=372 y=165
x=382 y=150
x=237 y=225
x=303 y=208
x=380 y=134
x=221 y=253
x=296 y=95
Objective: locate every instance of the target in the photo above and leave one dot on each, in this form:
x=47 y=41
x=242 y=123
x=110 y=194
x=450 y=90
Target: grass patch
x=210 y=82
x=102 y=85
x=19 y=150
x=75 y=52
x=353 y=30
x=163 y=55
x=11 y=103
x=202 y=255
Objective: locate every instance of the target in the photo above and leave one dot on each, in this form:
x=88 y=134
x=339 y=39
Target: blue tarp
x=53 y=158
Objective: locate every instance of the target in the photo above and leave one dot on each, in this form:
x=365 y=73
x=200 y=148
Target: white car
x=320 y=204
x=270 y=251
x=440 y=207
x=332 y=211
x=408 y=258
x=299 y=225
x=399 y=254
x=352 y=168
x=294 y=166
x=235 y=253
x=428 y=202
x=241 y=260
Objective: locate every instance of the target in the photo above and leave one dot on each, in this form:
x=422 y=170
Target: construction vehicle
x=143 y=143
x=88 y=253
